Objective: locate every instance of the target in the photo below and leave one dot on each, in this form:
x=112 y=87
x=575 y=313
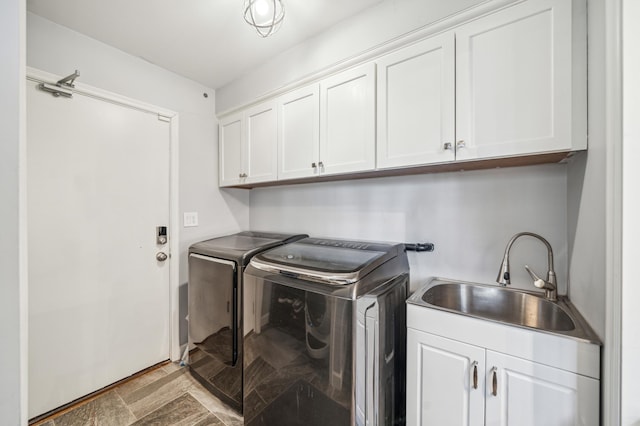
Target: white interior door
x=99 y=301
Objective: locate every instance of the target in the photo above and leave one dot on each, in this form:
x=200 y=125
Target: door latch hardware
x=161 y=235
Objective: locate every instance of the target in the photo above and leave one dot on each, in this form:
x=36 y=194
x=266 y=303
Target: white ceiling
x=204 y=40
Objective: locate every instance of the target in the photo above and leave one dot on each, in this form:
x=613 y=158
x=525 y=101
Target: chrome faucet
x=549 y=285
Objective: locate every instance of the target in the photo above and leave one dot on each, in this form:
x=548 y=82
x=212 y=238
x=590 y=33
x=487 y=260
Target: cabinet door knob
x=313 y=165
x=475 y=374
x=320 y=164
x=448 y=146
x=461 y=144
x=494 y=381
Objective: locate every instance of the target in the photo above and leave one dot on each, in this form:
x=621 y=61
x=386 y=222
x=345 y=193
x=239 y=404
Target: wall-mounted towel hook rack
x=63 y=87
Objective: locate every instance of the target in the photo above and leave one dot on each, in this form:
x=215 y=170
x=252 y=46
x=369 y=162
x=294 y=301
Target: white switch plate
x=190 y=219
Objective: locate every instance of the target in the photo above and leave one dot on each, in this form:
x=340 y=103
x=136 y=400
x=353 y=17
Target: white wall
x=469 y=216
x=587 y=190
x=56 y=49
x=12 y=352
x=631 y=213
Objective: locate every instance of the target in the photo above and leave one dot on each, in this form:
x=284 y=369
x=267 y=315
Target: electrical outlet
x=190 y=219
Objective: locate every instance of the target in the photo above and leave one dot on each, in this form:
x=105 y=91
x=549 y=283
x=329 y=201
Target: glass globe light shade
x=264 y=15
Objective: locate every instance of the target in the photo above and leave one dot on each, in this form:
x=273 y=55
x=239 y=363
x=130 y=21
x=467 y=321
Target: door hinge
x=164 y=118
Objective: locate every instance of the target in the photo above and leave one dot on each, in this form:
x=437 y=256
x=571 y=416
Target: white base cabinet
x=532 y=394
x=453 y=382
x=444 y=381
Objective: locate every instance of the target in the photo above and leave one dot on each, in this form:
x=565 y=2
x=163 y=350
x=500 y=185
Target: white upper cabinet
x=347 y=121
x=511 y=83
x=415 y=100
x=299 y=133
x=248 y=146
x=514 y=81
x=261 y=143
x=230 y=140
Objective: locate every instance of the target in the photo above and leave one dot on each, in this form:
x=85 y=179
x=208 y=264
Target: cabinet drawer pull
x=475 y=374
x=494 y=381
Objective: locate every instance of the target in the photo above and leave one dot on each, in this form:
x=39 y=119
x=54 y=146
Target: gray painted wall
x=469 y=216
x=587 y=191
x=11 y=57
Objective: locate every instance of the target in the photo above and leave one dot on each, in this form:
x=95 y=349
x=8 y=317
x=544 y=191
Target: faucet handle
x=537 y=281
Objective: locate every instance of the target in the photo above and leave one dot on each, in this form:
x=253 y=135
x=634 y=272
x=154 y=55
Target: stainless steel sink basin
x=499 y=304
x=505 y=305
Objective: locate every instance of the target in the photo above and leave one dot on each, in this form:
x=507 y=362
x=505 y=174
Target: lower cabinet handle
x=475 y=374
x=494 y=382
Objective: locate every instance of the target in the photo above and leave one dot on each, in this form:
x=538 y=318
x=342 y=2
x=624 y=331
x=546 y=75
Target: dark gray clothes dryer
x=216 y=308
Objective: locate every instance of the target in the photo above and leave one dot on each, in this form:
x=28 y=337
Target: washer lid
x=242 y=245
x=328 y=261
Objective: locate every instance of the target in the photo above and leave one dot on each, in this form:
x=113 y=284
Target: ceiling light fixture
x=264 y=15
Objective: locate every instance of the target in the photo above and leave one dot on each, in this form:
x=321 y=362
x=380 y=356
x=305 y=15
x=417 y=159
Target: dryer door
x=213 y=307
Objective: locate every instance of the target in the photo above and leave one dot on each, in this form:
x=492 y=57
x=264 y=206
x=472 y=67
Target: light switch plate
x=190 y=219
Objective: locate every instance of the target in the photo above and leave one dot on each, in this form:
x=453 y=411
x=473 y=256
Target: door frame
x=38 y=76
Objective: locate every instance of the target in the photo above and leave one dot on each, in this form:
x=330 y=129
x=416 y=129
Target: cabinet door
x=261 y=143
x=440 y=381
x=514 y=81
x=529 y=394
x=298 y=133
x=230 y=150
x=347 y=121
x=416 y=93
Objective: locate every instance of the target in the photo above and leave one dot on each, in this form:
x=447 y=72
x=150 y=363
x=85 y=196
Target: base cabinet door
x=445 y=381
x=524 y=393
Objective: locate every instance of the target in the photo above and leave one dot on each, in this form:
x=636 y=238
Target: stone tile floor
x=165 y=396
